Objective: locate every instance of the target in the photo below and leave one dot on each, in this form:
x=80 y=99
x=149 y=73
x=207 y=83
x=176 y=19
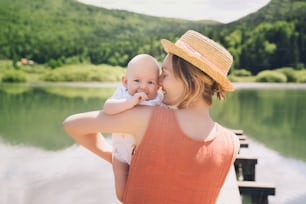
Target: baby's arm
x=114 y=106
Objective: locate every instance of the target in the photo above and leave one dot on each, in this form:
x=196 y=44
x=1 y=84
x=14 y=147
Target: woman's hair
x=196 y=83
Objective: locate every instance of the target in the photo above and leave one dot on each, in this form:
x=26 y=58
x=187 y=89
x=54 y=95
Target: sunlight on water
x=33 y=176
x=288 y=175
x=74 y=175
x=40 y=165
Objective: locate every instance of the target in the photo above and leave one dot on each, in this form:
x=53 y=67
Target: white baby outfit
x=124 y=144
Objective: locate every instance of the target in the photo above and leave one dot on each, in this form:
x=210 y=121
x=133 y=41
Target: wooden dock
x=245 y=169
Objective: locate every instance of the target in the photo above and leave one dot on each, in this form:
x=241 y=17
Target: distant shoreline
x=240 y=85
x=257 y=85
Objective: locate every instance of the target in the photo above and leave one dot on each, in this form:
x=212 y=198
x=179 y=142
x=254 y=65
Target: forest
x=60 y=32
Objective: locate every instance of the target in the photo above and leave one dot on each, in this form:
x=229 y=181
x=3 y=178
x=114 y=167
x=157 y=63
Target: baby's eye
x=137 y=80
x=151 y=82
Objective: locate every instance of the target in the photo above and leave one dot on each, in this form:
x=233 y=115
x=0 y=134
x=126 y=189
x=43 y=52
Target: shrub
x=54 y=63
x=6 y=64
x=300 y=66
x=301 y=77
x=233 y=78
x=85 y=73
x=271 y=76
x=63 y=74
x=289 y=72
x=241 y=73
x=35 y=69
x=14 y=76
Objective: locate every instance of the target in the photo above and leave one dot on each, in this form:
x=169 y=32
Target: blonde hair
x=197 y=83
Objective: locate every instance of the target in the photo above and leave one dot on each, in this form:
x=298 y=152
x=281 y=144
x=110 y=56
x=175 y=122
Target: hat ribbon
x=185 y=46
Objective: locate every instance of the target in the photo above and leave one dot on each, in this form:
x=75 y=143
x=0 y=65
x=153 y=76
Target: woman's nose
x=160 y=81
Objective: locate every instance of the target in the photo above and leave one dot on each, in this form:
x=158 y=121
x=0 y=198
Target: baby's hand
x=139 y=97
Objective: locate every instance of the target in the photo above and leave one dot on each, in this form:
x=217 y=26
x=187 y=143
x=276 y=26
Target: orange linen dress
x=169 y=167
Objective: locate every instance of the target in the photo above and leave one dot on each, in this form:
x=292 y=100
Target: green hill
x=272 y=37
x=61 y=31
x=45 y=30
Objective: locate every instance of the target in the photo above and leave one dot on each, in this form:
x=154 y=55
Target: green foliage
x=233 y=78
x=301 y=75
x=300 y=66
x=271 y=76
x=274 y=36
x=289 y=72
x=271 y=45
x=5 y=64
x=15 y=76
x=54 y=31
x=62 y=32
x=54 y=63
x=85 y=73
x=34 y=69
x=241 y=73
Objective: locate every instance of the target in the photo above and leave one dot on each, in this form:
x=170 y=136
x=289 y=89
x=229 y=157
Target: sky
x=224 y=11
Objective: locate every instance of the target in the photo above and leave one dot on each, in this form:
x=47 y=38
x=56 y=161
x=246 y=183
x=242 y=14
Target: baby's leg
x=121 y=171
x=123 y=146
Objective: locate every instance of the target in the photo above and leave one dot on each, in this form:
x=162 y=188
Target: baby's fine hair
x=138 y=57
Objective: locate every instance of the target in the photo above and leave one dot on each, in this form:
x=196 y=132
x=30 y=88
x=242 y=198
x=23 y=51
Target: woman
x=182 y=155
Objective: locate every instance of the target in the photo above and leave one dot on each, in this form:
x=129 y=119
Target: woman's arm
x=85 y=128
x=97 y=144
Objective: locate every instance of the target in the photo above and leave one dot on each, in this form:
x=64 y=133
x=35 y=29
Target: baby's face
x=143 y=79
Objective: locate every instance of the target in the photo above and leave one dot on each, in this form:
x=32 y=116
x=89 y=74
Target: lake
x=39 y=163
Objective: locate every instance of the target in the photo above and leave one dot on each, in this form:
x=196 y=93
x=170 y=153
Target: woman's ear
x=124 y=81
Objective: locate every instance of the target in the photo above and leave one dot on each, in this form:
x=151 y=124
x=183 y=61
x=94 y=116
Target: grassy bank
x=67 y=73
x=106 y=73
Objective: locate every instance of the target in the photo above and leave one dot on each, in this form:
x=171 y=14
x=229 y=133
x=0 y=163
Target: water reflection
x=275 y=117
x=33 y=115
x=287 y=174
x=40 y=164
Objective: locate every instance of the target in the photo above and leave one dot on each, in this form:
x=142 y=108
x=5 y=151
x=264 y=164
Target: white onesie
x=124 y=144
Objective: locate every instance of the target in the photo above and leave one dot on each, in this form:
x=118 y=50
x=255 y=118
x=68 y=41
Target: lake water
x=39 y=163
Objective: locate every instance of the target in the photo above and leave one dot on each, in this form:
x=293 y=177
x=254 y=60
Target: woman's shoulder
x=141 y=117
x=232 y=137
x=226 y=131
x=146 y=112
x=149 y=110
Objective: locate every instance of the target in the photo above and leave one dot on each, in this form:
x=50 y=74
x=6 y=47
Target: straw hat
x=205 y=54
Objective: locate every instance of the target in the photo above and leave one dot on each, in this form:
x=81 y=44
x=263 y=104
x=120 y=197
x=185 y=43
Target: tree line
x=65 y=31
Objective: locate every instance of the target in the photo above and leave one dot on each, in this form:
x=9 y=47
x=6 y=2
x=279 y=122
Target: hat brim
x=214 y=73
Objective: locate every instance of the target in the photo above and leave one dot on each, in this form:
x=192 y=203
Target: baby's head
x=142 y=75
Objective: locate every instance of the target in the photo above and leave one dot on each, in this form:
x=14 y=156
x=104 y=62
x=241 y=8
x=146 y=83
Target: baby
x=139 y=87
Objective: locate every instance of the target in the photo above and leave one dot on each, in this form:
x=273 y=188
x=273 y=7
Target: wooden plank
x=238 y=132
x=269 y=188
x=258 y=191
x=245 y=168
x=244 y=144
x=242 y=137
